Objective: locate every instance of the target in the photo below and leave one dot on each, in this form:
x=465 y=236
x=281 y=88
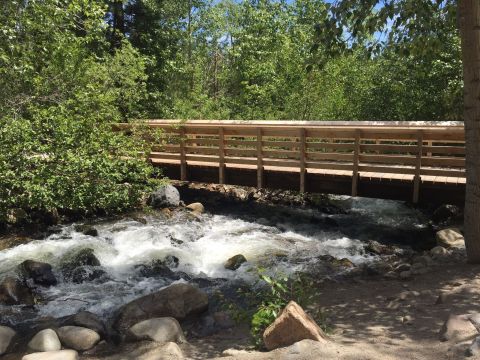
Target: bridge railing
x=408 y=151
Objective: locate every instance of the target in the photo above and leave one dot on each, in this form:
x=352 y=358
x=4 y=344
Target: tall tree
x=469 y=11
x=418 y=25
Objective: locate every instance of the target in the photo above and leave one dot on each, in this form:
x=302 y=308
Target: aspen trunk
x=469 y=12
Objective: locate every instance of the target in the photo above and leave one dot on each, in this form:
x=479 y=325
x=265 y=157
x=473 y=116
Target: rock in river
x=78 y=338
x=178 y=301
x=39 y=272
x=163 y=197
x=235 y=262
x=14 y=292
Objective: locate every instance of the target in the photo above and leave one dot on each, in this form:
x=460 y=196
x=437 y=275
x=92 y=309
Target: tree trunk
x=469 y=12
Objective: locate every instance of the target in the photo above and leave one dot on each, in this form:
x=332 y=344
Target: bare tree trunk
x=469 y=12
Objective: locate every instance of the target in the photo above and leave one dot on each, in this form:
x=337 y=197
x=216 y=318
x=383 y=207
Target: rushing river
x=284 y=240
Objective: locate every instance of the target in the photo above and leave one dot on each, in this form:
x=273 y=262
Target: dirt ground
x=375 y=319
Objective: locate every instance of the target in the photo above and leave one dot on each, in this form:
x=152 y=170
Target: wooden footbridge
x=418 y=162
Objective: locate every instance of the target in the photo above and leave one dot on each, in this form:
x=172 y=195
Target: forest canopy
x=71 y=68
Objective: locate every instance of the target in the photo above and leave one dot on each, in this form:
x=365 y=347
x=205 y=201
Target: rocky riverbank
x=158 y=284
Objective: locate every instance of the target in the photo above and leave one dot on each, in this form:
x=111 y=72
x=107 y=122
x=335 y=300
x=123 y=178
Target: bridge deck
x=419 y=162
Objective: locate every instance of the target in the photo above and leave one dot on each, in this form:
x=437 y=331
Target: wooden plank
x=329 y=156
x=303 y=158
x=356 y=161
x=285 y=154
x=418 y=165
x=183 y=159
x=221 y=153
x=328 y=165
x=201 y=150
x=388 y=148
x=443 y=172
x=240 y=152
x=259 y=158
x=386 y=169
x=444 y=150
x=281 y=144
x=388 y=159
x=435 y=161
x=330 y=146
x=237 y=142
x=200 y=141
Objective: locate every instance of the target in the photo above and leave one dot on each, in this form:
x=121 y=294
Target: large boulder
x=81 y=266
x=53 y=355
x=291 y=326
x=15 y=292
x=178 y=301
x=457 y=328
x=87 y=320
x=235 y=262
x=38 y=272
x=161 y=330
x=6 y=336
x=45 y=340
x=450 y=238
x=78 y=338
x=164 y=197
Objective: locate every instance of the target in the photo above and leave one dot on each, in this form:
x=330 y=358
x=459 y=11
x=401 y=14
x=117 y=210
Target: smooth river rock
x=39 y=272
x=178 y=301
x=14 y=292
x=53 y=355
x=235 y=262
x=6 y=336
x=163 y=197
x=161 y=330
x=196 y=208
x=291 y=326
x=450 y=238
x=45 y=340
x=78 y=338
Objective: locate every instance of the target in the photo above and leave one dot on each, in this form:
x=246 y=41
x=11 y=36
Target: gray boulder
x=86 y=229
x=6 y=336
x=161 y=330
x=178 y=301
x=78 y=338
x=14 y=292
x=53 y=355
x=235 y=262
x=163 y=197
x=45 y=340
x=39 y=272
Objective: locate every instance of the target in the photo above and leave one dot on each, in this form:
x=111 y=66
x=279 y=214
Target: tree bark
x=469 y=13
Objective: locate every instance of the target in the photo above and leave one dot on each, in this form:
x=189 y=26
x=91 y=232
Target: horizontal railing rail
x=412 y=151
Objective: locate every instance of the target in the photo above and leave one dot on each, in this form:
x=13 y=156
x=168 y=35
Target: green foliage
x=274 y=294
x=61 y=91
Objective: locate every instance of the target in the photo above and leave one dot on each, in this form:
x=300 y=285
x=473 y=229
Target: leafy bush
x=60 y=92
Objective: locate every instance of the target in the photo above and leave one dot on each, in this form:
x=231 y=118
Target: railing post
x=302 y=157
x=356 y=161
x=221 y=147
x=418 y=165
x=183 y=156
x=259 y=159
